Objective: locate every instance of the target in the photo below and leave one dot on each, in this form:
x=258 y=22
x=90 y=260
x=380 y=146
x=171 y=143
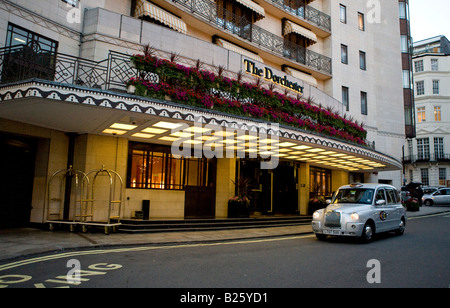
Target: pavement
x=20 y=243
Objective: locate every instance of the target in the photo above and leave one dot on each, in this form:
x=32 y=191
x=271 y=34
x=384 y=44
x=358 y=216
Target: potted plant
x=239 y=205
x=316 y=204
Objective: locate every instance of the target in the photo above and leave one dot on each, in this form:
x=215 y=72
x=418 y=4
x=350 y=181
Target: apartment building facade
x=427 y=158
x=66 y=67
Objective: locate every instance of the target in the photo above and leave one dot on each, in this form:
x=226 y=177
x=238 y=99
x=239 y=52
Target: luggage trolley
x=55 y=201
x=89 y=204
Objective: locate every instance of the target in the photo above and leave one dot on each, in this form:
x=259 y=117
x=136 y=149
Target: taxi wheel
x=401 y=227
x=321 y=237
x=368 y=233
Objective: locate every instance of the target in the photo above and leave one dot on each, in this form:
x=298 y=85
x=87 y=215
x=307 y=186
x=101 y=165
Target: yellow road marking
x=139 y=249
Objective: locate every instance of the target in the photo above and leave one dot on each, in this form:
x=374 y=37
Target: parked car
x=361 y=210
x=439 y=197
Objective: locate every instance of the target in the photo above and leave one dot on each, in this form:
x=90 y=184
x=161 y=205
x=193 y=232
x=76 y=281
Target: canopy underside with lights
x=46 y=104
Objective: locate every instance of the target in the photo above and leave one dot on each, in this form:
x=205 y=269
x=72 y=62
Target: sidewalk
x=16 y=243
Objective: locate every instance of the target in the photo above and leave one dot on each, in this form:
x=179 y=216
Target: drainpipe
x=70 y=174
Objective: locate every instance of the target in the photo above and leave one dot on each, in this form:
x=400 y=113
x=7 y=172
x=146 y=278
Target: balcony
x=412 y=159
x=305 y=12
x=19 y=63
x=207 y=11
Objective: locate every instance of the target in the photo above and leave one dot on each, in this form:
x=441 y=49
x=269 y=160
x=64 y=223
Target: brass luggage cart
x=92 y=201
x=56 y=198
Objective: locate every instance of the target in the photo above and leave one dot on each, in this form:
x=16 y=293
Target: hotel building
x=427 y=157
x=303 y=76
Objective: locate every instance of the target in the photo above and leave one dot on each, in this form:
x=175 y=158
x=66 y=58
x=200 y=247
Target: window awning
x=145 y=8
x=255 y=7
x=290 y=27
x=237 y=49
x=302 y=76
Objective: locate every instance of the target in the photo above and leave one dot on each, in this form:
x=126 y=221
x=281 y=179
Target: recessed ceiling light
x=123 y=126
x=170 y=139
x=114 y=132
x=167 y=125
x=247 y=137
x=197 y=130
x=302 y=147
x=223 y=134
x=315 y=150
x=156 y=131
x=182 y=135
x=286 y=144
x=145 y=136
x=193 y=142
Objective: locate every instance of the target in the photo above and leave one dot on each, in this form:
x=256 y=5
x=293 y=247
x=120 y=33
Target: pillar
x=226 y=174
x=303 y=188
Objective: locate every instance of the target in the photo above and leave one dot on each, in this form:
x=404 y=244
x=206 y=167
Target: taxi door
x=384 y=216
x=392 y=209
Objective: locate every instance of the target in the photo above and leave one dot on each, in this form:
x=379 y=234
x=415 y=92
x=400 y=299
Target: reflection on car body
x=361 y=210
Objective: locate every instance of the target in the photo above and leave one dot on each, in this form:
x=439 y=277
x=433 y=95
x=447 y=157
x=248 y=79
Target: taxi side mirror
x=380 y=202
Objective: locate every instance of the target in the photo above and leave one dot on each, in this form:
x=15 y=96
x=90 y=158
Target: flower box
x=238 y=208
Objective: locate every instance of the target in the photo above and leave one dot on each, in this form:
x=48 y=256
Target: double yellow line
x=139 y=249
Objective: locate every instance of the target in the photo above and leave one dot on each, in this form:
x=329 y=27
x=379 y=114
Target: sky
x=429 y=18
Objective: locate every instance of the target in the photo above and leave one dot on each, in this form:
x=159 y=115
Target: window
x=29 y=55
x=344 y=54
x=418 y=65
x=421 y=116
x=362 y=60
x=425 y=177
x=437 y=113
x=423 y=149
x=420 y=87
x=442 y=176
x=361 y=24
x=320 y=182
x=154 y=167
x=404 y=44
x=345 y=98
x=391 y=196
x=234 y=16
x=439 y=148
x=402 y=10
x=406 y=79
x=435 y=86
x=434 y=64
x=380 y=195
x=364 y=103
x=343 y=13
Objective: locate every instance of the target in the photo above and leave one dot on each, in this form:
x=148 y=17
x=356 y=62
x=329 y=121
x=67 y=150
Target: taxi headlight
x=354 y=216
x=316 y=215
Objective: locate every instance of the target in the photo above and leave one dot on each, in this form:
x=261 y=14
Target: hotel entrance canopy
x=76 y=109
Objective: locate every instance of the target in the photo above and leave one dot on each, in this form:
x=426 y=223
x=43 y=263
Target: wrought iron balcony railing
x=207 y=10
x=22 y=62
x=441 y=157
x=306 y=12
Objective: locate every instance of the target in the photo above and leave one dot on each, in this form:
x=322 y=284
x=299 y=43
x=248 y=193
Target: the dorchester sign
x=267 y=73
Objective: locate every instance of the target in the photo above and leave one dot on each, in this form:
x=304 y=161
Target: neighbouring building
x=298 y=97
x=427 y=157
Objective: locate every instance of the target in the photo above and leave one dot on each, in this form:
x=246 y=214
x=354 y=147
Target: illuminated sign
x=267 y=73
